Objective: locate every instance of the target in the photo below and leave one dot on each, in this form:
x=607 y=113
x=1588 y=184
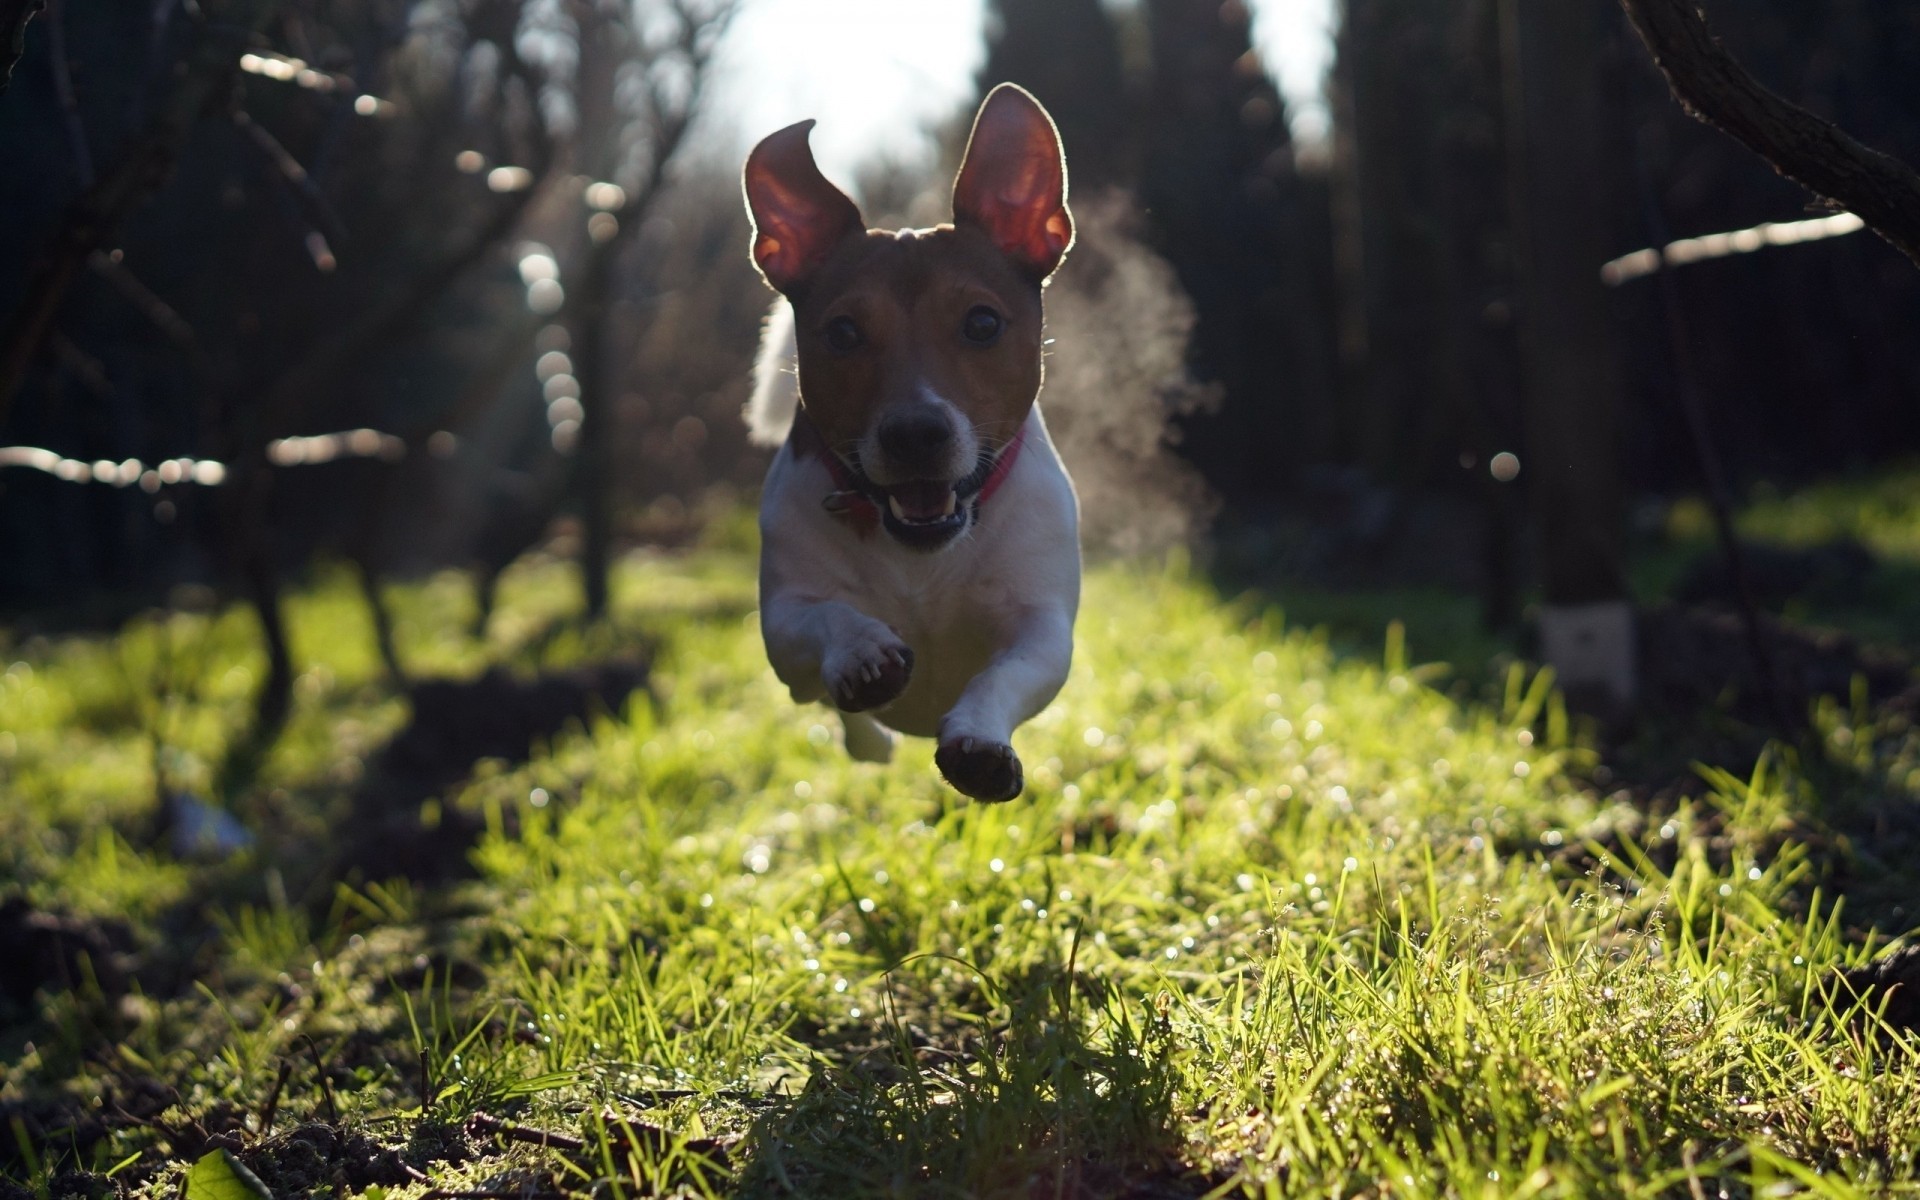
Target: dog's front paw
x=869 y=672
x=983 y=769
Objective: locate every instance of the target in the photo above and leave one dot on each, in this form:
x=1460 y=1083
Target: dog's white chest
x=949 y=615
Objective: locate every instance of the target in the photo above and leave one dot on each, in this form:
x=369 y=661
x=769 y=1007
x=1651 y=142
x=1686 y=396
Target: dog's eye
x=842 y=334
x=982 y=325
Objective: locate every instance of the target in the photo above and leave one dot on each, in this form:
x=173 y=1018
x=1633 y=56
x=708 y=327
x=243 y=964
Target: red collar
x=849 y=499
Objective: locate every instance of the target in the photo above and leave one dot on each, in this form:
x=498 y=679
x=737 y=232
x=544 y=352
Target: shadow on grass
x=456 y=724
x=1053 y=1087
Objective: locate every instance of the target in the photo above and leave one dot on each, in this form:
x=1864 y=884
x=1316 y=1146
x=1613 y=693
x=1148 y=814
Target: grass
x=1273 y=919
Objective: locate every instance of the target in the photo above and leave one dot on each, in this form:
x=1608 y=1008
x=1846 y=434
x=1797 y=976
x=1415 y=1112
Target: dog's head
x=919 y=350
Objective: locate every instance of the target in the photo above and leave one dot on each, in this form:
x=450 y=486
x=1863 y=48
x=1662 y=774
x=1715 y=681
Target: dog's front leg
x=976 y=737
x=826 y=649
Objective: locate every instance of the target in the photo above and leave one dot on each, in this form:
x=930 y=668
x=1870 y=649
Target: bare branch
x=157 y=311
x=313 y=203
x=1709 y=246
x=99 y=211
x=1713 y=87
x=14 y=15
x=85 y=367
x=63 y=87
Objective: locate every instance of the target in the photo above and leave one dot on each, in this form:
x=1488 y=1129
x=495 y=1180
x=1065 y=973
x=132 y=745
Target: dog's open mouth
x=921 y=502
x=924 y=513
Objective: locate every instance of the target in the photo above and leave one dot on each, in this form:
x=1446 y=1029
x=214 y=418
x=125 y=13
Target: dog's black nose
x=917 y=435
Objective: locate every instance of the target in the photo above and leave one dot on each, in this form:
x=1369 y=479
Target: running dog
x=920 y=561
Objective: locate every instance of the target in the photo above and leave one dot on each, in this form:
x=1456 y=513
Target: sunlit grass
x=1270 y=920
x=1881 y=510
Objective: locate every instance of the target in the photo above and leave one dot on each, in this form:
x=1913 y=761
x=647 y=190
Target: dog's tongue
x=922 y=501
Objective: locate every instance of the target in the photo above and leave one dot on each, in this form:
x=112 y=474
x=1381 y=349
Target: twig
x=526 y=1134
x=1706 y=247
x=313 y=204
x=85 y=367
x=273 y=1097
x=1713 y=87
x=286 y=398
x=1693 y=1172
x=383 y=640
x=426 y=1072
x=158 y=312
x=320 y=1069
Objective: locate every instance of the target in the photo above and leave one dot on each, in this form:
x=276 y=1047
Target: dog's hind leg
x=867 y=739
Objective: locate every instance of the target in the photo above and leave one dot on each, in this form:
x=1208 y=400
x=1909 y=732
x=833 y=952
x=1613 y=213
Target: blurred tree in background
x=638 y=77
x=294 y=278
x=1068 y=53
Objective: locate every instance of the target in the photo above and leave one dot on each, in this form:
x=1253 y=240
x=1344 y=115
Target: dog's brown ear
x=1013 y=183
x=798 y=217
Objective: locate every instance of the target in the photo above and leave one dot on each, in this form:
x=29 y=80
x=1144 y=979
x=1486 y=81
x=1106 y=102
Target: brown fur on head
x=919 y=350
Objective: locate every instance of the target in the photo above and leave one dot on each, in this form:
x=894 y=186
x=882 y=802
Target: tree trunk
x=1571 y=465
x=382 y=617
x=594 y=471
x=246 y=522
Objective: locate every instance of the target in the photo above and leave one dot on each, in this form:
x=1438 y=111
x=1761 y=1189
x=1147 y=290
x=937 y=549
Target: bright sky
x=876 y=73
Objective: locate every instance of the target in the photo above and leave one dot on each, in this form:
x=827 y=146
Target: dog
x=920 y=553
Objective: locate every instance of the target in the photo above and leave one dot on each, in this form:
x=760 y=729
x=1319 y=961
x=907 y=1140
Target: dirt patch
x=59 y=951
x=1694 y=658
x=1892 y=980
x=67 y=1185
x=456 y=724
x=316 y=1156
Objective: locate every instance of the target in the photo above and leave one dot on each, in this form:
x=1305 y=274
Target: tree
x=1229 y=211
x=638 y=85
x=285 y=262
x=1572 y=459
x=1067 y=53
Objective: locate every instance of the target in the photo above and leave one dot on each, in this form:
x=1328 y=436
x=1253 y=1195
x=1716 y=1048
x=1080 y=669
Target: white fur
x=776 y=382
x=989 y=618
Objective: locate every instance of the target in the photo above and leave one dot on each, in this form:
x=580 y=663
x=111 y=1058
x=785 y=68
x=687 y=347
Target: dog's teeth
x=951 y=501
x=898 y=512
